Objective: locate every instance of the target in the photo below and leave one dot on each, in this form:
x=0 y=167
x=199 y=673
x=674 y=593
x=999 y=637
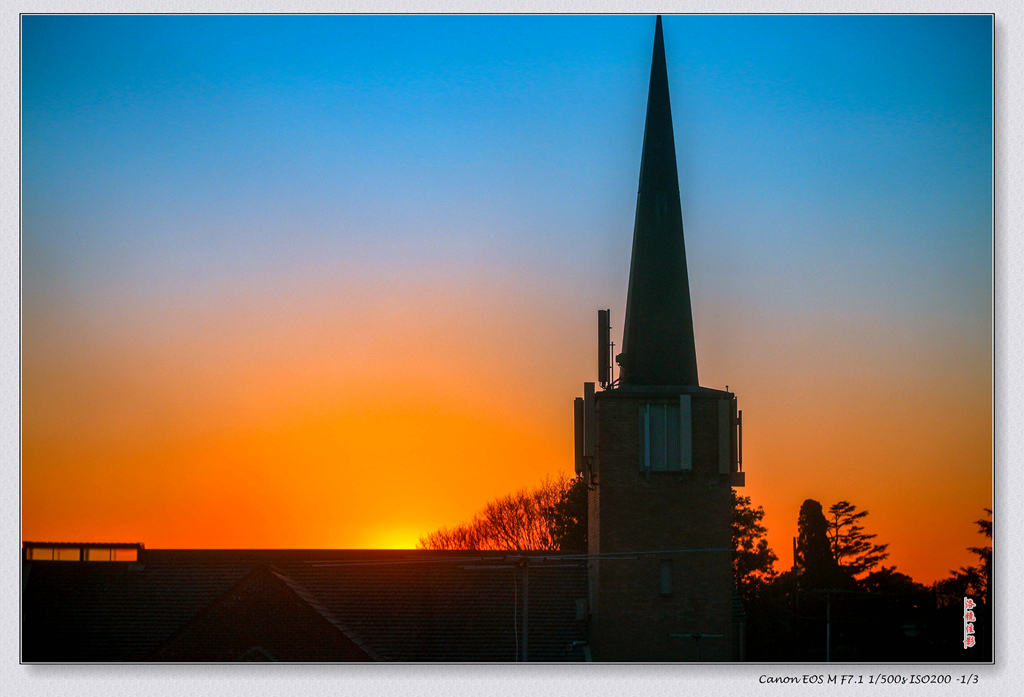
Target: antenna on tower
x=604 y=353
x=580 y=418
x=585 y=412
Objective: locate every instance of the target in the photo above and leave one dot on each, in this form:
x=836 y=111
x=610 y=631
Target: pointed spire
x=657 y=343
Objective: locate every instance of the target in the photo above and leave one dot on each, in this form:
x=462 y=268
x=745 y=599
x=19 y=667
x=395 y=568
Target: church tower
x=660 y=452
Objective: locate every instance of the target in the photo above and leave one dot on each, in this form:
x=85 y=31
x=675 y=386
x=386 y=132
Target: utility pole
x=828 y=627
x=526 y=607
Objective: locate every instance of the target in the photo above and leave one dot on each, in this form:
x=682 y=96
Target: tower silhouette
x=660 y=452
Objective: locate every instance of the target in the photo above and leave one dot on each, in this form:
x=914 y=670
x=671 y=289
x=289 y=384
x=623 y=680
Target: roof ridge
x=310 y=599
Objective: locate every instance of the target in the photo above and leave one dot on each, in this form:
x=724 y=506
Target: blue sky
x=801 y=139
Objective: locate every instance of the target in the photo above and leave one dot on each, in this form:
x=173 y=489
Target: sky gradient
x=332 y=281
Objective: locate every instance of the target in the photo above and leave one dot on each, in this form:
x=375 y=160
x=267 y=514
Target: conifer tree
x=852 y=548
x=813 y=549
x=985 y=553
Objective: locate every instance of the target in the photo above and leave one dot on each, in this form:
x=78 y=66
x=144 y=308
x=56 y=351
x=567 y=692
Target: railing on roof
x=82 y=551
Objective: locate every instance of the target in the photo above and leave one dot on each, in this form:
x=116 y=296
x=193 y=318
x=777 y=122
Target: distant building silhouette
x=661 y=453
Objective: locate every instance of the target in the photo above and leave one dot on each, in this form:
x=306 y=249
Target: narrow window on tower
x=665 y=441
x=658 y=441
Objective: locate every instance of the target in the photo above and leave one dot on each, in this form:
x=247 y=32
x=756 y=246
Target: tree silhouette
x=965 y=581
x=813 y=548
x=568 y=517
x=985 y=554
x=852 y=548
x=822 y=611
x=753 y=560
x=529 y=519
x=887 y=580
x=970 y=580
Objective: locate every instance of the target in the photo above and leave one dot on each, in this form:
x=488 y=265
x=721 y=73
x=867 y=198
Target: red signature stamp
x=969 y=620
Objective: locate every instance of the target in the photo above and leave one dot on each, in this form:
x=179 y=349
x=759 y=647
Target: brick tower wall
x=633 y=511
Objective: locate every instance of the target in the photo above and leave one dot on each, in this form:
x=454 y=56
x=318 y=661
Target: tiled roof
x=261 y=618
x=313 y=603
x=397 y=605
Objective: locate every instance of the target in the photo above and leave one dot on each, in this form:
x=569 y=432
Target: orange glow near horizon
x=315 y=437
x=324 y=437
